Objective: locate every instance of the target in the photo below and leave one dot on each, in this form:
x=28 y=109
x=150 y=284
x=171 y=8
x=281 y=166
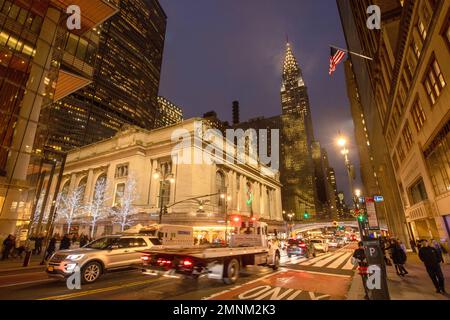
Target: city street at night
x=247 y=156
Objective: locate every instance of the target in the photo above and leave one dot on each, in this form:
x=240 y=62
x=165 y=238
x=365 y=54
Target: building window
x=417 y=192
x=395 y=161
x=434 y=81
x=438 y=161
x=418 y=115
x=82 y=187
x=121 y=171
x=407 y=136
x=400 y=151
x=220 y=189
x=118 y=198
x=446 y=30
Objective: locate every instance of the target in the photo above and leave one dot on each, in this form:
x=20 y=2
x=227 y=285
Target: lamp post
x=290 y=216
x=163 y=178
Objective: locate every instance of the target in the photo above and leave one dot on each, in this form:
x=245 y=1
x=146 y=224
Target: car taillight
x=302 y=245
x=163 y=262
x=187 y=263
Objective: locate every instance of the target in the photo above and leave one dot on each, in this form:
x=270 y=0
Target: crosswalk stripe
x=309 y=262
x=338 y=262
x=323 y=262
x=349 y=265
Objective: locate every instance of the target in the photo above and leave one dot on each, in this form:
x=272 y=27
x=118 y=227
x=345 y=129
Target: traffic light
x=306 y=215
x=164 y=210
x=361 y=218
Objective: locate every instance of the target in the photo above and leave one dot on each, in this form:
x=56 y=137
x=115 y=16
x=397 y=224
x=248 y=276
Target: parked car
x=319 y=245
x=297 y=247
x=100 y=256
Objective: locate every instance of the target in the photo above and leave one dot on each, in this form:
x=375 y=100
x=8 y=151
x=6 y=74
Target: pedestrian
x=430 y=258
x=83 y=240
x=402 y=245
x=51 y=248
x=399 y=258
x=8 y=244
x=439 y=249
x=413 y=245
x=65 y=243
x=359 y=259
x=38 y=244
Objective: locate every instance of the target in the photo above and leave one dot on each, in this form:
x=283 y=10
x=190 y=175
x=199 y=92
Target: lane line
x=323 y=262
x=27 y=282
x=94 y=291
x=338 y=262
x=322 y=273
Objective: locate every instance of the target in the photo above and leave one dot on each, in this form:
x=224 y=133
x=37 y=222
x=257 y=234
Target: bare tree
x=96 y=208
x=70 y=205
x=124 y=210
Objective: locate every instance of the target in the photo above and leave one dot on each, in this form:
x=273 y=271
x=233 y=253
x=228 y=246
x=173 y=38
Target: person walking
x=83 y=240
x=8 y=244
x=359 y=259
x=399 y=258
x=65 y=243
x=412 y=243
x=440 y=250
x=430 y=258
x=51 y=248
x=38 y=244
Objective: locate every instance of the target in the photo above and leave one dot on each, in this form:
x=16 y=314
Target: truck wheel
x=231 y=271
x=276 y=262
x=91 y=272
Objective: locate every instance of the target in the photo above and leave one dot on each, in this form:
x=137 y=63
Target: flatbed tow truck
x=249 y=248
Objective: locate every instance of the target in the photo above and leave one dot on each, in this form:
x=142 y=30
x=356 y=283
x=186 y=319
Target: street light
x=163 y=177
x=358 y=193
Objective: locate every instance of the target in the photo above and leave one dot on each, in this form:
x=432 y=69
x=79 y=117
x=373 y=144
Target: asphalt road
x=327 y=276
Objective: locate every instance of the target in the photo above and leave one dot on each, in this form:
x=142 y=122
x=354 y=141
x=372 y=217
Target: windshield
x=316 y=241
x=102 y=243
x=155 y=241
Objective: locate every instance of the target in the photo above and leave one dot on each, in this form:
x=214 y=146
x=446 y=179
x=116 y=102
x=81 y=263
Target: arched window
x=221 y=189
x=100 y=187
x=82 y=187
x=65 y=188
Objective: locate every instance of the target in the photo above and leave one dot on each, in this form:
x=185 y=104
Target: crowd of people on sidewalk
x=14 y=248
x=431 y=254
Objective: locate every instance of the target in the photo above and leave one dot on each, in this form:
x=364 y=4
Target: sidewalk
x=416 y=285
x=16 y=264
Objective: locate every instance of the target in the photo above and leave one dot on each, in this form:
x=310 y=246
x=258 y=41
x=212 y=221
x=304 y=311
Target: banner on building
x=372 y=214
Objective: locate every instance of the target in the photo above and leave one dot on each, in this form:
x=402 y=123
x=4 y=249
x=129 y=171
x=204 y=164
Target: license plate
x=50 y=269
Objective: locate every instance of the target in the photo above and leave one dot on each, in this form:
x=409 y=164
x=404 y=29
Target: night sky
x=218 y=51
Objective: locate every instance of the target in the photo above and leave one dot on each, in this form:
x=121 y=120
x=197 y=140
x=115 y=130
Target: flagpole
x=354 y=53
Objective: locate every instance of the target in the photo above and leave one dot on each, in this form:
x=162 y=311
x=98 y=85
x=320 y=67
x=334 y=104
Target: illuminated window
x=418 y=115
x=434 y=81
x=407 y=136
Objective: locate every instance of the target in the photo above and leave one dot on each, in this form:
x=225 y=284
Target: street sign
x=378 y=198
x=372 y=214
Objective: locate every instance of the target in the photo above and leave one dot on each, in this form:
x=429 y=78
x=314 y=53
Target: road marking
x=349 y=265
x=309 y=262
x=101 y=290
x=322 y=273
x=323 y=262
x=27 y=282
x=340 y=260
x=244 y=284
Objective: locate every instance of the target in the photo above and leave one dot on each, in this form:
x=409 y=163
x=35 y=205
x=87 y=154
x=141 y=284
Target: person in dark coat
x=8 y=245
x=399 y=259
x=359 y=258
x=65 y=243
x=430 y=258
x=38 y=244
x=413 y=245
x=51 y=248
x=83 y=240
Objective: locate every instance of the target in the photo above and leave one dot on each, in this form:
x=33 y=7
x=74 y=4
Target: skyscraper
x=125 y=84
x=37 y=67
x=168 y=113
x=297 y=167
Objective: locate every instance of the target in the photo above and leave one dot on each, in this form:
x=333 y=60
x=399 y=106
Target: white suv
x=102 y=255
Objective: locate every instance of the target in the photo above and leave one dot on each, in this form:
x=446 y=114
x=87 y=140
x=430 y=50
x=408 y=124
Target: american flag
x=336 y=57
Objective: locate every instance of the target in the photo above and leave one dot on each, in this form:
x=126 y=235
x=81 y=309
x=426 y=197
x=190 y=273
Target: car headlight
x=75 y=257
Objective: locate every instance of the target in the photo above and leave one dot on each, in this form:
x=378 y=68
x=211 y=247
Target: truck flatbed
x=208 y=252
